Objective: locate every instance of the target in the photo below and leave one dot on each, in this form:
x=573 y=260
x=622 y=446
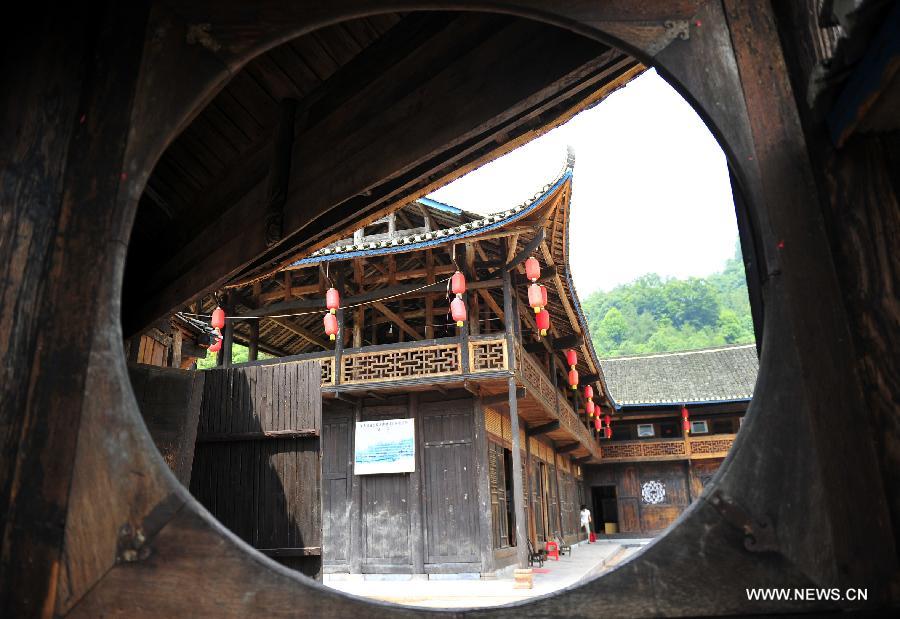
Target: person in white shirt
x=586 y=521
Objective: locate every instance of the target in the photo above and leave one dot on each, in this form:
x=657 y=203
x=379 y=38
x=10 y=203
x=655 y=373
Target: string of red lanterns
x=608 y=432
x=457 y=305
x=572 y=361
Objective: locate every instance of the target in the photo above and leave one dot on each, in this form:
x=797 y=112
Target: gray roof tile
x=709 y=375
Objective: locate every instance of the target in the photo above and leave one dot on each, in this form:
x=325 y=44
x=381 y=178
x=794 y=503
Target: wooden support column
x=416 y=520
x=339 y=340
x=429 y=298
x=253 y=343
x=176 y=348
x=472 y=297
x=529 y=494
x=359 y=317
x=558 y=495
x=356 y=511
x=509 y=304
x=483 y=488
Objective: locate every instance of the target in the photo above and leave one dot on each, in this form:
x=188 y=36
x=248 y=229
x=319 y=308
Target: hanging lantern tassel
x=573 y=378
x=332 y=300
x=685 y=421
x=331 y=325
x=218 y=318
x=217 y=345
x=543 y=321
x=533 y=269
x=458 y=310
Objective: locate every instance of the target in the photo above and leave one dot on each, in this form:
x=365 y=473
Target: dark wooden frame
x=148 y=547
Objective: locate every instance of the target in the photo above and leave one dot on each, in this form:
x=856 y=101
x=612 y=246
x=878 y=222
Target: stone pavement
x=586 y=561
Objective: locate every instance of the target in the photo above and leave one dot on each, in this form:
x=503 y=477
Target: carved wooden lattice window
x=668 y=448
x=497 y=476
x=400 y=364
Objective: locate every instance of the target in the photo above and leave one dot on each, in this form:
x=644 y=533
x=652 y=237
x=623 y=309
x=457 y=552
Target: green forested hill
x=652 y=314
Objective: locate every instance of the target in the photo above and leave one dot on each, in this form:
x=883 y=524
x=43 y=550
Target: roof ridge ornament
x=570 y=157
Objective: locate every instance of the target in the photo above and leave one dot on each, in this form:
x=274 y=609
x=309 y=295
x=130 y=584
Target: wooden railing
x=541 y=387
x=694 y=448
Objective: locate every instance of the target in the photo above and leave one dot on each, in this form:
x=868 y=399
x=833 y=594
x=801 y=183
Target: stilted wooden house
x=677 y=415
x=499 y=434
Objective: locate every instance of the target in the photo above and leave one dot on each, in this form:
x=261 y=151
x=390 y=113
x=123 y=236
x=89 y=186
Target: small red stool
x=552 y=549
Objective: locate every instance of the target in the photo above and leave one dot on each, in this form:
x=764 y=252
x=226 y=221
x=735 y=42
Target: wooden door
x=337 y=423
x=628 y=496
x=537 y=499
x=386 y=535
x=256 y=464
x=451 y=530
x=497 y=480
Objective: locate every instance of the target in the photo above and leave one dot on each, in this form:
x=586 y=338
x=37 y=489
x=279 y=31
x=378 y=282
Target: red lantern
x=685 y=421
x=458 y=311
x=331 y=325
x=533 y=269
x=217 y=344
x=608 y=432
x=597 y=425
x=218 y=318
x=535 y=298
x=458 y=283
x=543 y=295
x=571 y=358
x=543 y=321
x=332 y=300
x=590 y=408
x=588 y=392
x=608 y=420
x=573 y=378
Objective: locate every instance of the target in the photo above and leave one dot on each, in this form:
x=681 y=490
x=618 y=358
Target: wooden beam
x=381 y=307
x=582 y=460
x=573 y=340
x=503 y=398
x=491 y=303
x=526 y=251
x=560 y=290
x=280 y=173
x=543 y=428
x=568 y=448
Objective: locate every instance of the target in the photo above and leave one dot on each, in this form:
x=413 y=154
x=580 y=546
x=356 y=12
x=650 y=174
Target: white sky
x=650 y=190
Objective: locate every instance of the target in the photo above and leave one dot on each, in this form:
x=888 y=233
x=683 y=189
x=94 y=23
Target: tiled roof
x=709 y=375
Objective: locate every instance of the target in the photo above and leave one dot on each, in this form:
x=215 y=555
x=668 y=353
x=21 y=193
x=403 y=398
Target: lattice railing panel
x=327 y=366
x=621 y=450
x=711 y=446
x=664 y=448
x=387 y=365
x=487 y=355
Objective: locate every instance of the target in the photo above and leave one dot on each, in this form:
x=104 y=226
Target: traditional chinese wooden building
x=151 y=147
x=500 y=434
x=677 y=415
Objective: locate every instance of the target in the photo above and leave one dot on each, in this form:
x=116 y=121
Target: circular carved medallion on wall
x=653 y=492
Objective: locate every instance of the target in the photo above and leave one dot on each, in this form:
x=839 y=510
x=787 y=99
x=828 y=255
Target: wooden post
x=509 y=308
x=429 y=298
x=253 y=344
x=176 y=347
x=339 y=340
x=531 y=532
x=483 y=488
x=356 y=499
x=558 y=495
x=359 y=317
x=416 y=522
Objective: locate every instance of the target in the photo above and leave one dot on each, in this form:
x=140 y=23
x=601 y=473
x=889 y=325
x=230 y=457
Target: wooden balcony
x=477 y=359
x=691 y=448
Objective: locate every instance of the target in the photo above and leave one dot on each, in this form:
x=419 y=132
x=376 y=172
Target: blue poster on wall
x=385 y=446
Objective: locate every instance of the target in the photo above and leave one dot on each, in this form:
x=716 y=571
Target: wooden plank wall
x=420 y=522
x=169 y=400
x=683 y=483
x=264 y=486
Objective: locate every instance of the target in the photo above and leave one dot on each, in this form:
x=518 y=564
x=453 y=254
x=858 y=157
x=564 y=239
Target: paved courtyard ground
x=586 y=561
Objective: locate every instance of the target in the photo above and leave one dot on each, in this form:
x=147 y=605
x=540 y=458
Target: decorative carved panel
x=327 y=365
x=387 y=365
x=717 y=446
x=487 y=356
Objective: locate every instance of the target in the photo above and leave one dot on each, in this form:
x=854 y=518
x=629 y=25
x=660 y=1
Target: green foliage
x=652 y=314
x=239 y=354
